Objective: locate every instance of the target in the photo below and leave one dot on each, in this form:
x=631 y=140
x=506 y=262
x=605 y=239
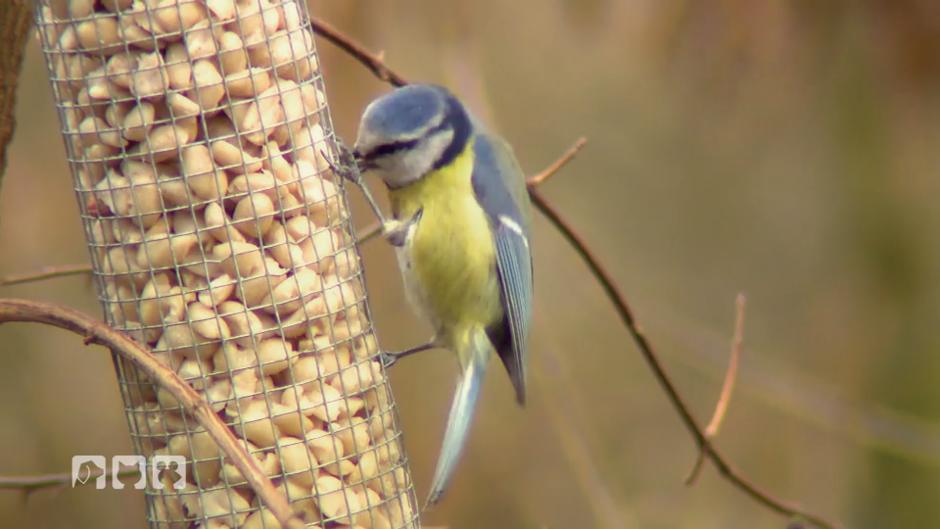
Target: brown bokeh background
x=784 y=149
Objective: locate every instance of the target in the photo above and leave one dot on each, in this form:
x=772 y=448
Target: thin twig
x=374 y=62
x=731 y=375
x=97 y=332
x=569 y=155
x=727 y=387
x=382 y=71
x=46 y=272
x=43 y=481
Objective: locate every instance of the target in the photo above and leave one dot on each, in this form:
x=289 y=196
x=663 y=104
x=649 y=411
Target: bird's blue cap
x=408 y=111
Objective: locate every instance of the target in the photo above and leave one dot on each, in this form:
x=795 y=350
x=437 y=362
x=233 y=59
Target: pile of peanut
x=197 y=135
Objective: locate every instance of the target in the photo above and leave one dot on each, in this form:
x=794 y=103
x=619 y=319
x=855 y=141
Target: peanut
x=203 y=179
x=149 y=78
x=297 y=460
x=275 y=355
x=208 y=87
x=138 y=121
x=99 y=33
x=254 y=215
x=233 y=57
x=173 y=17
x=334 y=499
x=262 y=519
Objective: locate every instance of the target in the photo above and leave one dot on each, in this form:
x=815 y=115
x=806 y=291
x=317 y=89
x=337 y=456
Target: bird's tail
x=474 y=361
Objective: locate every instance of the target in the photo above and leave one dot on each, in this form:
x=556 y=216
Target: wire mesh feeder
x=196 y=133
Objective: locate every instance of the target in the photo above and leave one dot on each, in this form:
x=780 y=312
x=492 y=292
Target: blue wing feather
x=499 y=185
x=515 y=274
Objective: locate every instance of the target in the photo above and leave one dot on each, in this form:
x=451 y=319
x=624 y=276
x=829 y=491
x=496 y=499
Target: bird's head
x=410 y=132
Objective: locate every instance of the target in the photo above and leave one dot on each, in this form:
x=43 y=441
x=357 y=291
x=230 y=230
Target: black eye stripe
x=389 y=148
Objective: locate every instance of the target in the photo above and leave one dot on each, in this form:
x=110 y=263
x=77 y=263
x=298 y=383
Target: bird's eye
x=389 y=148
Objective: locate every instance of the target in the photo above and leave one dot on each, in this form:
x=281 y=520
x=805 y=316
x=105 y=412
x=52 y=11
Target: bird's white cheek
x=393 y=173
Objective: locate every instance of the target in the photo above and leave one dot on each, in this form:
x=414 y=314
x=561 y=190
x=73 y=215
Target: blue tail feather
x=461 y=416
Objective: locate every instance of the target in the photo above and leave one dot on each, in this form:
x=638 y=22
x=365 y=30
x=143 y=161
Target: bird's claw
x=396 y=231
x=388 y=359
x=346 y=165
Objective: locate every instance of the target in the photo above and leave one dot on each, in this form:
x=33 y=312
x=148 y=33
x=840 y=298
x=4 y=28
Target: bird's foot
x=390 y=358
x=346 y=165
x=396 y=231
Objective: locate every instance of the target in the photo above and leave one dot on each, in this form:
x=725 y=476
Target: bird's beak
x=362 y=162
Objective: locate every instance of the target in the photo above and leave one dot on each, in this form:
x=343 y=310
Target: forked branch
x=727 y=387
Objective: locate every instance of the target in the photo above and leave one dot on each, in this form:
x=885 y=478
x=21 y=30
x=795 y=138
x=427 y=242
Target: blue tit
x=460 y=221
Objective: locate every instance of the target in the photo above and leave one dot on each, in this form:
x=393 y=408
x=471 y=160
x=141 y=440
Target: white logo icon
x=86 y=467
x=82 y=470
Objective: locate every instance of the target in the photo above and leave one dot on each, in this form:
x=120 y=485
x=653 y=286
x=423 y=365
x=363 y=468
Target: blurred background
x=787 y=150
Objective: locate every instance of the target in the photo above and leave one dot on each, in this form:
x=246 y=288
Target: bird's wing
x=499 y=185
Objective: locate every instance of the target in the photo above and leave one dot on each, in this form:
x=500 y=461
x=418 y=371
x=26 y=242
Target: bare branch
x=97 y=332
x=727 y=387
x=731 y=375
x=46 y=272
x=374 y=62
x=43 y=481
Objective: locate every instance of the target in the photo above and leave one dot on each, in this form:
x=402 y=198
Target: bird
x=460 y=224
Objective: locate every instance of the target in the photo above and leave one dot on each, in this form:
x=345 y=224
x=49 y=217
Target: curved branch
x=97 y=332
x=659 y=372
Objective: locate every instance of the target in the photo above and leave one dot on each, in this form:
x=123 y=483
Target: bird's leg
x=396 y=231
x=390 y=358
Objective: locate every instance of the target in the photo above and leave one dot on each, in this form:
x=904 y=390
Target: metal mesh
x=197 y=133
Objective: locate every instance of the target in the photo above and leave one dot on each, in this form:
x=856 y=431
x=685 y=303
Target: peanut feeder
x=197 y=133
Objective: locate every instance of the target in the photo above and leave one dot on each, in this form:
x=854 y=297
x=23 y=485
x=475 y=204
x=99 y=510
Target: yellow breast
x=449 y=260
